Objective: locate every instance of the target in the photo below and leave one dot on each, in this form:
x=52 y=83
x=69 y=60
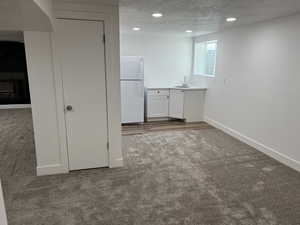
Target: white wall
x=11 y=36
x=46 y=89
x=255 y=95
x=47 y=7
x=167 y=58
x=50 y=157
x=25 y=15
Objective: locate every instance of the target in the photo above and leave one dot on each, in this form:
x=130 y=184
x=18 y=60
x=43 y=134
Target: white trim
x=3 y=217
x=19 y=106
x=257 y=145
x=114 y=163
x=51 y=169
x=153 y=119
x=204 y=75
x=60 y=106
x=206 y=41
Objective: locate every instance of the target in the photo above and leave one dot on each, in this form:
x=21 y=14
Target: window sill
x=204 y=75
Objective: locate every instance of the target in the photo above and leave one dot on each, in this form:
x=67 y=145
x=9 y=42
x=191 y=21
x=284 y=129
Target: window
x=205 y=54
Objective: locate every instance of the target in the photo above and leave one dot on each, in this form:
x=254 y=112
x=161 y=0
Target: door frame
x=111 y=28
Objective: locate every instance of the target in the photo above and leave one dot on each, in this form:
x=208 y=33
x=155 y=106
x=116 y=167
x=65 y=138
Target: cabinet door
x=157 y=104
x=194 y=106
x=176 y=104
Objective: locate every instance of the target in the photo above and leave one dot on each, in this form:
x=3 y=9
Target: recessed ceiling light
x=189 y=31
x=136 y=28
x=157 y=15
x=231 y=19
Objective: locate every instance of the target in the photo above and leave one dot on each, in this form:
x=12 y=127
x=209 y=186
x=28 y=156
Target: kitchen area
x=143 y=104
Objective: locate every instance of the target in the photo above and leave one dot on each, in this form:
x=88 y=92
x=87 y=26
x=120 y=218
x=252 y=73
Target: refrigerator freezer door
x=132 y=98
x=132 y=68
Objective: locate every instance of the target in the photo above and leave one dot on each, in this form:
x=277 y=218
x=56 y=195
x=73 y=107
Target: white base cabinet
x=176 y=104
x=186 y=104
x=158 y=103
x=193 y=107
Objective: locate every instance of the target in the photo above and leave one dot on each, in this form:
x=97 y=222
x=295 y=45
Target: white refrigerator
x=132 y=89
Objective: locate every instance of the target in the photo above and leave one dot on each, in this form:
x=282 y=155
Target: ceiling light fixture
x=136 y=28
x=189 y=31
x=231 y=19
x=157 y=15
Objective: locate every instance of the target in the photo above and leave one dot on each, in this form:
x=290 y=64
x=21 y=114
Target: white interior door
x=83 y=69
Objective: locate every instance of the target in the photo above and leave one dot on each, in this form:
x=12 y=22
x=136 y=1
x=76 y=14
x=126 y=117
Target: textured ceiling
x=201 y=16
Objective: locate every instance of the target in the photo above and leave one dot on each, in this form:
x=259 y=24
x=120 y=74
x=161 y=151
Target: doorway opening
x=17 y=150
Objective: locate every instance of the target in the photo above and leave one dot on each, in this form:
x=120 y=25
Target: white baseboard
x=115 y=163
x=51 y=170
x=3 y=217
x=255 y=144
x=19 y=106
x=59 y=169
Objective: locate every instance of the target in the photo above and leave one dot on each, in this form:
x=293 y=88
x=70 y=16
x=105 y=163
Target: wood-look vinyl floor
x=134 y=129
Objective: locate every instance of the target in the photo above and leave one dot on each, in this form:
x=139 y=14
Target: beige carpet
x=187 y=177
x=17 y=152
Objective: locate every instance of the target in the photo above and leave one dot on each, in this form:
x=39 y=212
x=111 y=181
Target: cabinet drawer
x=158 y=92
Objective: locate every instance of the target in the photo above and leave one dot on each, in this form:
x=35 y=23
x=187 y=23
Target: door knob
x=69 y=108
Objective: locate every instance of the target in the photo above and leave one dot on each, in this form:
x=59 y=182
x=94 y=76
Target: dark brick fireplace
x=14 y=88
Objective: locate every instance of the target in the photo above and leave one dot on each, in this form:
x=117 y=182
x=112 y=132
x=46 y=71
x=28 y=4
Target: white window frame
x=194 y=47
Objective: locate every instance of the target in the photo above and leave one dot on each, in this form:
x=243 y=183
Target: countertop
x=179 y=88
